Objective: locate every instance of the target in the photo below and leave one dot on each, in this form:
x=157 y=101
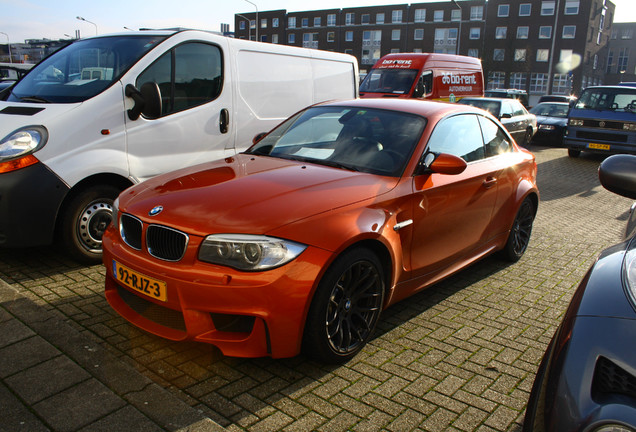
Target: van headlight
x=248 y=252
x=22 y=142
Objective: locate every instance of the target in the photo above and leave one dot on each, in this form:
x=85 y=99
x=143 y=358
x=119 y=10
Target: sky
x=46 y=19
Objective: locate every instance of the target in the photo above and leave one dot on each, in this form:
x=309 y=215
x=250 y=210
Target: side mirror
x=506 y=115
x=147 y=101
x=258 y=137
x=443 y=163
x=420 y=89
x=617 y=174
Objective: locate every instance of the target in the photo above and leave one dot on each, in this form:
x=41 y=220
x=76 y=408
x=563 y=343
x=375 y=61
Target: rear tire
x=346 y=307
x=84 y=221
x=519 y=236
x=527 y=137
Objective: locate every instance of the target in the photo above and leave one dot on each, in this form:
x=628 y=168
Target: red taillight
x=17 y=164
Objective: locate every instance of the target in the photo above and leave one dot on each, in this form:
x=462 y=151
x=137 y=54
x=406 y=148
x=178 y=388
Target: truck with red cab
x=443 y=77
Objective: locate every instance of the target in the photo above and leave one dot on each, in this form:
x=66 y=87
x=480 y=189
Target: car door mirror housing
x=442 y=163
x=617 y=174
x=506 y=115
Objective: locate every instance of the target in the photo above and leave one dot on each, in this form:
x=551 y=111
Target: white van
x=107 y=112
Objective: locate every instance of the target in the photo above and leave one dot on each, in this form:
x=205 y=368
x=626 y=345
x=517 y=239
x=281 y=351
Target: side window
x=506 y=108
x=195 y=79
x=496 y=140
x=518 y=109
x=460 y=136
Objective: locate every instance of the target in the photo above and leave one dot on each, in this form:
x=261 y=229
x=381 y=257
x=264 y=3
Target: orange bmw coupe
x=299 y=243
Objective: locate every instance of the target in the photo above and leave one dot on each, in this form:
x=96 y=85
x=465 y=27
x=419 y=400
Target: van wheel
x=574 y=153
x=84 y=221
x=345 y=308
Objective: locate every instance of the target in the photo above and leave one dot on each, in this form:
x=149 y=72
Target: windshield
x=493 y=107
x=398 y=81
x=358 y=139
x=608 y=99
x=82 y=69
x=551 y=110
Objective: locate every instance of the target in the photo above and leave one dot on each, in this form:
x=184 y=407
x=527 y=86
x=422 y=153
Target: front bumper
x=598 y=146
x=244 y=314
x=30 y=199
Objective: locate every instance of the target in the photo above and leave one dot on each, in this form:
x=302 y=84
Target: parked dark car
x=552 y=122
x=587 y=378
x=568 y=99
x=513 y=115
x=520 y=95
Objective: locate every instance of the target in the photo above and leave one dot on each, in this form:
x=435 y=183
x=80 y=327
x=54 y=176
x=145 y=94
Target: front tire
x=84 y=221
x=574 y=153
x=519 y=236
x=346 y=307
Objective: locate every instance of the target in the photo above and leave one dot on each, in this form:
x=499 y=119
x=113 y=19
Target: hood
x=15 y=115
x=557 y=121
x=248 y=194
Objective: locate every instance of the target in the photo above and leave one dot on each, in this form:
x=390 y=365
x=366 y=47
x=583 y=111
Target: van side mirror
x=420 y=88
x=147 y=101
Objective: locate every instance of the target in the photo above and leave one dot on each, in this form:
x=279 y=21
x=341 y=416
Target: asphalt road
x=461 y=355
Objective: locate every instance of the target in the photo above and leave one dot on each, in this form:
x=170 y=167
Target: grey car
x=521 y=124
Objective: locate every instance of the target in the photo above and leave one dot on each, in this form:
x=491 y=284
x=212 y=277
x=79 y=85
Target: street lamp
x=257 y=24
x=84 y=19
x=9 y=45
x=459 y=36
x=249 y=28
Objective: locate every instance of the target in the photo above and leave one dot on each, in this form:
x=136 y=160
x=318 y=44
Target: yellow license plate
x=141 y=283
x=598 y=146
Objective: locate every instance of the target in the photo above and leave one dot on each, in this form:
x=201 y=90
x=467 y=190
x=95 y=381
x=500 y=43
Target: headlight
x=546 y=127
x=248 y=252
x=629 y=126
x=23 y=142
x=576 y=122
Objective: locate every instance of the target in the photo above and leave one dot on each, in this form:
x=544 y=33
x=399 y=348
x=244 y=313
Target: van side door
x=194 y=125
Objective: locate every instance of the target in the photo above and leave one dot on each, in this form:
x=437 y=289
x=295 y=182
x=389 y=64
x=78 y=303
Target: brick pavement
x=460 y=356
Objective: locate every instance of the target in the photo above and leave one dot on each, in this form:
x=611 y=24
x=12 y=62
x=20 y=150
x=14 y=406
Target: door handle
x=224 y=121
x=489 y=182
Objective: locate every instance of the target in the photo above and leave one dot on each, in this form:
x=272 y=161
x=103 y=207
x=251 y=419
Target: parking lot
x=459 y=356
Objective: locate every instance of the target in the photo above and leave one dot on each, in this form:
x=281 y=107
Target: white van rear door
x=195 y=86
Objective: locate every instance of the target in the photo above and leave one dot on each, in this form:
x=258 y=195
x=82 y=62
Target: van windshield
x=82 y=69
x=397 y=81
x=608 y=99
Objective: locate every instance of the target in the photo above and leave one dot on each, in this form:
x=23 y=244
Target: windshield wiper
x=36 y=99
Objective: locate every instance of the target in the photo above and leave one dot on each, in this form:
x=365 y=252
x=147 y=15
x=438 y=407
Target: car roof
x=422 y=108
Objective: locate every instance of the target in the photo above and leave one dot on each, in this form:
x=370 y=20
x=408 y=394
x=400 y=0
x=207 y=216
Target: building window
x=499 y=54
x=518 y=80
x=522 y=32
x=545 y=32
x=379 y=18
x=475 y=32
x=438 y=16
x=331 y=20
x=595 y=64
x=395 y=34
x=310 y=40
x=264 y=23
x=572 y=7
x=623 y=59
x=305 y=22
x=350 y=18
x=503 y=11
x=275 y=22
x=496 y=80
x=598 y=38
x=569 y=32
x=538 y=83
x=418 y=34
x=242 y=25
x=365 y=19
x=520 y=54
x=476 y=13
x=560 y=84
x=396 y=16
x=349 y=36
x=291 y=22
x=473 y=52
x=501 y=32
x=627 y=33
x=542 y=55
x=395 y=50
x=610 y=62
x=525 y=9
x=417 y=50
x=348 y=51
x=316 y=21
x=547 y=8
x=456 y=15
x=331 y=36
x=420 y=15
x=252 y=24
x=291 y=38
x=275 y=38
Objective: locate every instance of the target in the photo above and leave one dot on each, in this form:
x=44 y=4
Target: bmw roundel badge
x=155 y=211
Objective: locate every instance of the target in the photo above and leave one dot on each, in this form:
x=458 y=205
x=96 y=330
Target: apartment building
x=620 y=65
x=541 y=46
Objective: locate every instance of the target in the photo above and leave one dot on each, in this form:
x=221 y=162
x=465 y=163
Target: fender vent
x=18 y=110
